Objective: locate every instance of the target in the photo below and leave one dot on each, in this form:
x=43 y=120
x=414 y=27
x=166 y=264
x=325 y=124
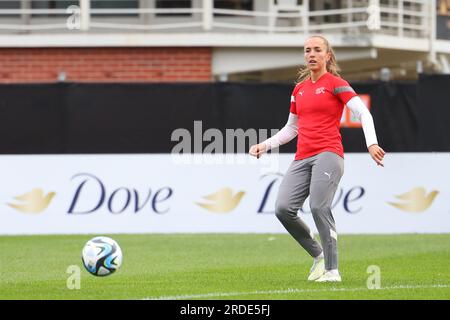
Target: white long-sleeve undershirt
x=355 y=104
x=360 y=111
x=286 y=134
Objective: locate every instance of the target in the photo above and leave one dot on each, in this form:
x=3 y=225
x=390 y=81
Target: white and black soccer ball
x=101 y=256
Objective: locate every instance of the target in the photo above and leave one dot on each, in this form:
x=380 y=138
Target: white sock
x=320 y=256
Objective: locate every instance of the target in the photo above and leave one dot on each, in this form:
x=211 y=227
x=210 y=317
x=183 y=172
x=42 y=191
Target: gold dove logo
x=33 y=201
x=222 y=201
x=416 y=200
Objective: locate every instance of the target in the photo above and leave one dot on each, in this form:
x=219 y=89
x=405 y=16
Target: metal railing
x=410 y=18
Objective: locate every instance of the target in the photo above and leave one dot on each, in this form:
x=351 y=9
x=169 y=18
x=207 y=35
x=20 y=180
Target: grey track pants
x=317 y=177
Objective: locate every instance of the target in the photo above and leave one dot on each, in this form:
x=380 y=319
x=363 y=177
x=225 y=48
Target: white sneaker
x=317 y=269
x=329 y=276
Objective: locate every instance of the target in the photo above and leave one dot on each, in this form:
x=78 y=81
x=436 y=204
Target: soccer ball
x=101 y=256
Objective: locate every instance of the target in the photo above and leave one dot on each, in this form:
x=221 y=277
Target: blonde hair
x=332 y=65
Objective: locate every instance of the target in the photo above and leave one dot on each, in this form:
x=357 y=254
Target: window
x=53 y=4
x=9 y=5
x=443 y=19
x=173 y=4
x=114 y=4
x=95 y=4
x=234 y=4
x=218 y=4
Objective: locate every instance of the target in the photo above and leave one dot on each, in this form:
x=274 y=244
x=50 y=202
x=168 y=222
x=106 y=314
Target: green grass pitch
x=226 y=266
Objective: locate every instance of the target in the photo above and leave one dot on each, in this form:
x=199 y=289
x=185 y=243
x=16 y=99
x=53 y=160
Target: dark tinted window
x=95 y=4
x=173 y=4
x=234 y=4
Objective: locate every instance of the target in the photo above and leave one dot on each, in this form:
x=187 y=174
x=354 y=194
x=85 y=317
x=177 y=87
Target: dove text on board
x=349 y=198
x=118 y=200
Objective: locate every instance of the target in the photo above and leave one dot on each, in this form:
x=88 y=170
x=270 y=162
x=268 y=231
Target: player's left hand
x=377 y=154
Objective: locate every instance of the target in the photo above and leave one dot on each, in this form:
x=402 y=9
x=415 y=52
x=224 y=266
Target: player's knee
x=283 y=210
x=320 y=209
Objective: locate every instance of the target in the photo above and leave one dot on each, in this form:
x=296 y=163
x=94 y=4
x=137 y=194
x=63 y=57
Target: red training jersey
x=319 y=106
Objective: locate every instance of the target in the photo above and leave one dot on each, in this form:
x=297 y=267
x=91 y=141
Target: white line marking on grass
x=287 y=291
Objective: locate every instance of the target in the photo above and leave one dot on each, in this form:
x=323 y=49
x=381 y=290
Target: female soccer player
x=317 y=104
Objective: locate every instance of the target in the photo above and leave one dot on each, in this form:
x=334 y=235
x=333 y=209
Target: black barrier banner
x=72 y=118
x=394 y=111
x=434 y=113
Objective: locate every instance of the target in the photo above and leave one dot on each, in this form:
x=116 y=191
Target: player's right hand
x=257 y=150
